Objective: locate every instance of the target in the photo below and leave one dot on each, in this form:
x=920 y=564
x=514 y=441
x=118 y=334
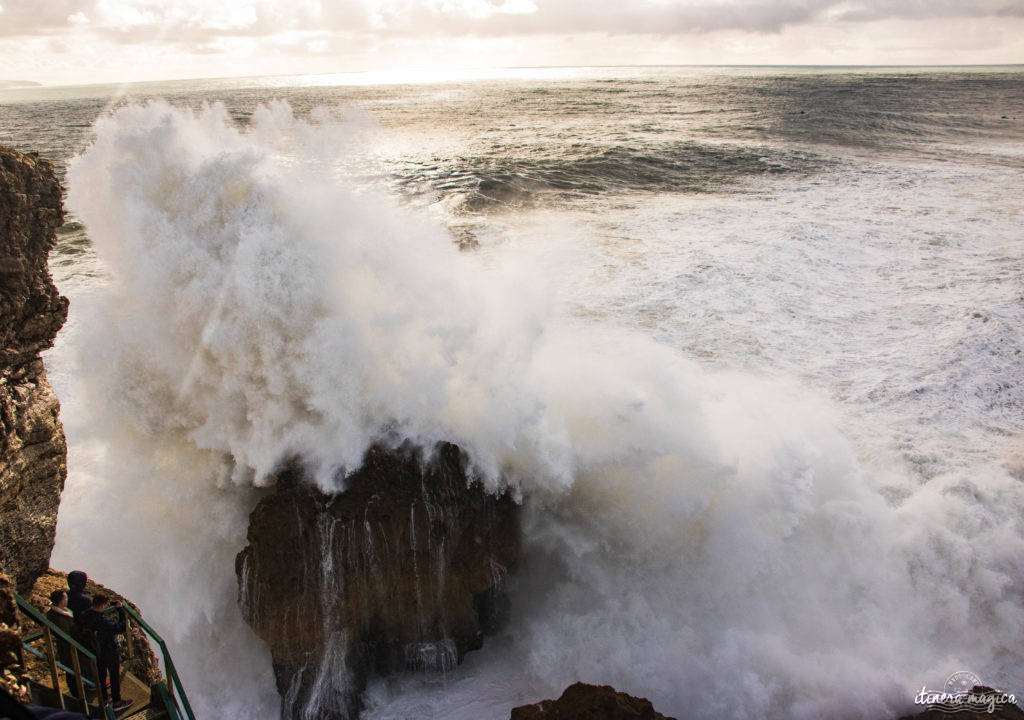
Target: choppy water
x=751 y=342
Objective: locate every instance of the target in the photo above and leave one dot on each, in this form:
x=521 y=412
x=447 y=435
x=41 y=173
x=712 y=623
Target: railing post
x=51 y=656
x=171 y=672
x=77 y=665
x=128 y=637
x=96 y=682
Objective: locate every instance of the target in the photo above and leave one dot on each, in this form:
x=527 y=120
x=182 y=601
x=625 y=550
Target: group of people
x=84 y=619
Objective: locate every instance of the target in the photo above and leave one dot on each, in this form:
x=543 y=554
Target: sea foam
x=705 y=539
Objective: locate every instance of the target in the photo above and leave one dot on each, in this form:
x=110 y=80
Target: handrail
x=172 y=674
x=166 y=693
x=60 y=666
x=172 y=707
x=41 y=619
x=49 y=629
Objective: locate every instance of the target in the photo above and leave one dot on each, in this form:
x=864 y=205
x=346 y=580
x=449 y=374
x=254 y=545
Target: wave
x=908 y=112
x=704 y=539
x=487 y=183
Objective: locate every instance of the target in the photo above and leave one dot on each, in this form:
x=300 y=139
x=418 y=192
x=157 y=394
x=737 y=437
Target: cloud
x=31 y=17
x=664 y=17
x=199 y=21
x=930 y=9
x=62 y=41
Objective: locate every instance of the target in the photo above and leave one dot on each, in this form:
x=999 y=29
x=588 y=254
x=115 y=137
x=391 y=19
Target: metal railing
x=78 y=654
x=167 y=690
x=177 y=707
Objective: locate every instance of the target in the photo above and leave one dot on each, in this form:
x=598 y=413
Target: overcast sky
x=90 y=41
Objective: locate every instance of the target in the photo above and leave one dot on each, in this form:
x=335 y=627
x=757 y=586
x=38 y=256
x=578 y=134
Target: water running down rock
x=402 y=570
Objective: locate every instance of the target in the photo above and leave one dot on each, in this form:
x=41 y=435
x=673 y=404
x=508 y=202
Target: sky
x=73 y=42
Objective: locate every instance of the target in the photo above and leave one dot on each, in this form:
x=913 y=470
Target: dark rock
x=32 y=445
x=590 y=702
x=403 y=570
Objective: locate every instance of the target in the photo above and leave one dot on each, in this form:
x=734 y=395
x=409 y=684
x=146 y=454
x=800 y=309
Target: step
x=131 y=689
x=140 y=694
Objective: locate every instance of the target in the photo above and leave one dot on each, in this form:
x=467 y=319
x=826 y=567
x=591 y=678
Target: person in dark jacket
x=78 y=601
x=108 y=656
x=60 y=616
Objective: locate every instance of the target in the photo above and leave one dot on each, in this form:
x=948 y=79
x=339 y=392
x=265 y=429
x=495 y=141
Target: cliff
x=32 y=445
x=33 y=451
x=402 y=570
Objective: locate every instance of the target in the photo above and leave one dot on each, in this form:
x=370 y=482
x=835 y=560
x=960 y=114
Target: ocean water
x=750 y=343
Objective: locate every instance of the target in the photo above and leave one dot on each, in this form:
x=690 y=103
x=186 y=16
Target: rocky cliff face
x=32 y=446
x=402 y=570
x=13 y=677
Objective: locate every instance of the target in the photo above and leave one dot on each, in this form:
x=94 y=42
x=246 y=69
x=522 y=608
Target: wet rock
x=32 y=445
x=590 y=702
x=403 y=570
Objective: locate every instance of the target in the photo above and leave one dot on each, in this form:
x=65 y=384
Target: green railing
x=167 y=694
x=78 y=652
x=168 y=689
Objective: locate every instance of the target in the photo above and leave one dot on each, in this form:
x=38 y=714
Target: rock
x=10 y=641
x=403 y=569
x=590 y=702
x=32 y=445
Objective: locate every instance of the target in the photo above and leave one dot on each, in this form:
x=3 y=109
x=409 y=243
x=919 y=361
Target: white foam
x=705 y=538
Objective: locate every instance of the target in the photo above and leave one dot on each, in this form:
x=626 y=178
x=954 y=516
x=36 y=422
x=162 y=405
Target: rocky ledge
x=32 y=445
x=402 y=570
x=590 y=702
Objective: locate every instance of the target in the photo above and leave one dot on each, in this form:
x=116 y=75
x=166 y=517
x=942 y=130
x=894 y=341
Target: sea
x=747 y=343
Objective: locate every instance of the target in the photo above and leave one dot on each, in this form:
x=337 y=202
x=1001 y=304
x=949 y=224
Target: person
x=63 y=618
x=78 y=601
x=108 y=658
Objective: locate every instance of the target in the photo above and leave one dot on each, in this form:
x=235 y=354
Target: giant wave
x=706 y=539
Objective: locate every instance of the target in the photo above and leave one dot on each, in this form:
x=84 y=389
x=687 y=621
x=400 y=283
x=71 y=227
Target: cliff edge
x=32 y=446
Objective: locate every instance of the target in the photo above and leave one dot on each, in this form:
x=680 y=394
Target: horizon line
x=34 y=85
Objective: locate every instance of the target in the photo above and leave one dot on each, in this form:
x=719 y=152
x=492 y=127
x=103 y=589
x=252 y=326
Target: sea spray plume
x=269 y=313
x=265 y=312
x=705 y=540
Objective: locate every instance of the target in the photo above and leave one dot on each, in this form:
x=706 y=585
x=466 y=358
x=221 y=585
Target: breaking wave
x=704 y=539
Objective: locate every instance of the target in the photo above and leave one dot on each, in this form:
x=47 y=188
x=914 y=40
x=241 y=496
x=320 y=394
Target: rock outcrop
x=590 y=702
x=13 y=677
x=403 y=569
x=32 y=445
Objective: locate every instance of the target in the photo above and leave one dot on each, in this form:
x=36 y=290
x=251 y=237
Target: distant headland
x=12 y=84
